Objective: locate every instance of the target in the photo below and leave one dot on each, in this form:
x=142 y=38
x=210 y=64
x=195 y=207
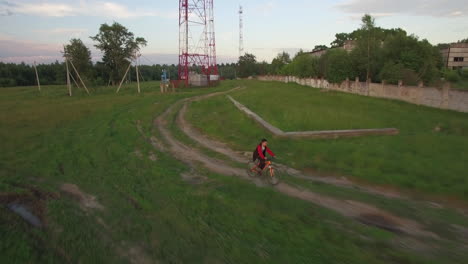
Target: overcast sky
x=36 y=30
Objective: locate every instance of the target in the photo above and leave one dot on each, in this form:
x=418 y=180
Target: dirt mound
x=86 y=201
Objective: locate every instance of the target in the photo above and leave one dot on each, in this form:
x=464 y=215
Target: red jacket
x=261 y=153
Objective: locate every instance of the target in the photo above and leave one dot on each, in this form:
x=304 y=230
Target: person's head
x=264 y=142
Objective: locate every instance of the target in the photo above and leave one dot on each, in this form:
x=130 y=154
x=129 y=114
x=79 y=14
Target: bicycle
x=272 y=172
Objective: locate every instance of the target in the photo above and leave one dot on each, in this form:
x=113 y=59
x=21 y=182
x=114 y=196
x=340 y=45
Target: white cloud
x=437 y=8
x=73 y=32
x=12 y=50
x=83 y=8
x=266 y=8
x=456 y=13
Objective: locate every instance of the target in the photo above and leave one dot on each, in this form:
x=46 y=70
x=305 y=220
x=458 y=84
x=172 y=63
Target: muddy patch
x=379 y=221
x=193 y=178
x=135 y=254
x=138 y=153
x=25 y=213
x=85 y=200
x=461 y=231
x=30 y=204
x=152 y=156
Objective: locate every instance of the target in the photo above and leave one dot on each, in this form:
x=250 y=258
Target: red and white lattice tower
x=197 y=45
x=241 y=32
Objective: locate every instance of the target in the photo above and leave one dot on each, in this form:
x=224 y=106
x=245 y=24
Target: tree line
x=119 y=47
x=379 y=54
x=96 y=74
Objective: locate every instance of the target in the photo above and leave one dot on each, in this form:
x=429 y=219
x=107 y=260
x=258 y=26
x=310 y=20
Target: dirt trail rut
x=362 y=212
x=237 y=156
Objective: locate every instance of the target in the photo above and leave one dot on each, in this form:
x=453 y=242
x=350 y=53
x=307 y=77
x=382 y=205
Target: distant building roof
x=349 y=45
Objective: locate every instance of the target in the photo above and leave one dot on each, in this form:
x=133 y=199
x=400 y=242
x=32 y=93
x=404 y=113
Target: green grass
x=48 y=139
x=420 y=158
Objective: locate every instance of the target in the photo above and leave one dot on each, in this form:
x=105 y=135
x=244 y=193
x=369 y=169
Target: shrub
x=392 y=72
x=464 y=74
x=451 y=76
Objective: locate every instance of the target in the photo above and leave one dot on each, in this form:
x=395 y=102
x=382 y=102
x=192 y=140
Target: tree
x=119 y=46
x=368 y=25
x=340 y=39
x=80 y=55
x=417 y=56
x=339 y=66
x=303 y=65
x=279 y=62
x=284 y=57
x=227 y=71
x=247 y=65
x=320 y=47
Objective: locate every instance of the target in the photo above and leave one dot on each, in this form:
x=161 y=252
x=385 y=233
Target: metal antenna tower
x=197 y=45
x=241 y=33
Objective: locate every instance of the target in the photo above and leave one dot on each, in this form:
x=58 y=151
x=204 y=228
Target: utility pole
x=125 y=75
x=79 y=77
x=137 y=75
x=37 y=77
x=68 y=77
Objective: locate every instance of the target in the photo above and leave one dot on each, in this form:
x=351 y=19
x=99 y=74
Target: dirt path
x=237 y=156
x=364 y=213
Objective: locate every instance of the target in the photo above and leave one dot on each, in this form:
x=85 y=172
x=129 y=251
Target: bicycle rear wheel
x=274 y=175
x=252 y=169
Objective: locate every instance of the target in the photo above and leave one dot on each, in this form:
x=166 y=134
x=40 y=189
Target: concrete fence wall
x=443 y=98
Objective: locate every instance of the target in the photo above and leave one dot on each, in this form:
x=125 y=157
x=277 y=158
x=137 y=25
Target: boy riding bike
x=260 y=154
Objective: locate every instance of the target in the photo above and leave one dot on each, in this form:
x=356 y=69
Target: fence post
x=446 y=95
x=368 y=83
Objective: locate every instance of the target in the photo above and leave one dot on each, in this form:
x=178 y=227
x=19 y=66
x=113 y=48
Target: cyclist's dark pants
x=261 y=164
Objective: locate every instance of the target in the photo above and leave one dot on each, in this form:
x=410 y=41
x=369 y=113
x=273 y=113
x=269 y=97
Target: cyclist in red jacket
x=260 y=153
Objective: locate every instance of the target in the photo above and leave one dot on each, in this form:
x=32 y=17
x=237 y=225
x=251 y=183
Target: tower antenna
x=197 y=45
x=241 y=33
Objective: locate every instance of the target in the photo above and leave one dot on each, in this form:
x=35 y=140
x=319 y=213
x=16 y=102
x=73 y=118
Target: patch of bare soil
x=359 y=211
x=152 y=156
x=135 y=254
x=138 y=153
x=193 y=178
x=85 y=200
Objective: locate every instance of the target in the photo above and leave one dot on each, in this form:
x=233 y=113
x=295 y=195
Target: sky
x=36 y=30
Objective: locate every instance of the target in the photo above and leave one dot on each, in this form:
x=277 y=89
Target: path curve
x=359 y=211
x=238 y=156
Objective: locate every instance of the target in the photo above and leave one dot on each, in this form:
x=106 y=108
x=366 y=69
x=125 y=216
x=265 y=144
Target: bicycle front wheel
x=274 y=175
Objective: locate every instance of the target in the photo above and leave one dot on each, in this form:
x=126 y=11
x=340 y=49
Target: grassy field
x=150 y=213
x=430 y=155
